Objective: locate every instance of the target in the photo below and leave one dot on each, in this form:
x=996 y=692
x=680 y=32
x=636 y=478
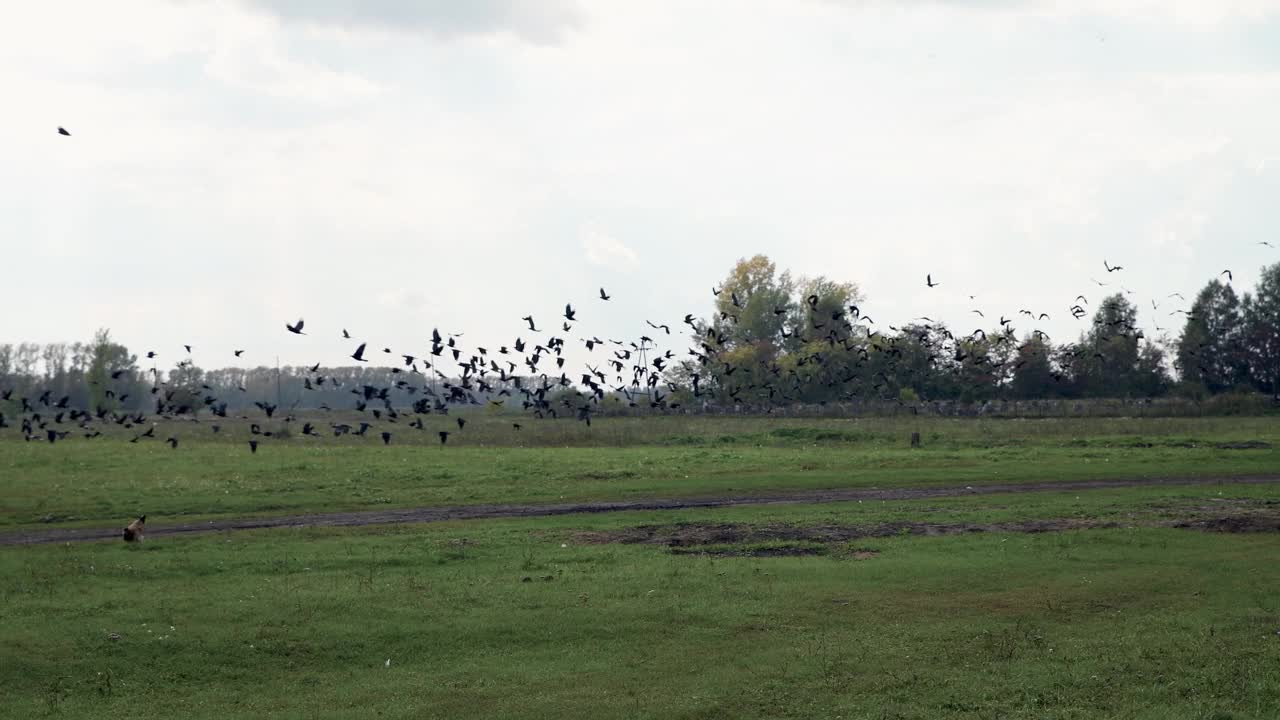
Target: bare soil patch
x=684 y=535
x=156 y=527
x=1244 y=523
x=743 y=539
x=1243 y=445
x=747 y=551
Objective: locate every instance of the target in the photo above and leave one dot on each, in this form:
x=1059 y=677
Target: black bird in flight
x=1228 y=274
x=461 y=423
x=529 y=319
x=568 y=312
x=253 y=446
x=188 y=347
x=295 y=329
x=345 y=335
x=239 y=353
x=173 y=443
x=664 y=328
x=386 y=438
x=928 y=279
x=444 y=436
x=358 y=355
x=604 y=296
x=63 y=131
x=1111 y=268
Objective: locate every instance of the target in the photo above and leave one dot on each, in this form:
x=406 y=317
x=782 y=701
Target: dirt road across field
x=480 y=512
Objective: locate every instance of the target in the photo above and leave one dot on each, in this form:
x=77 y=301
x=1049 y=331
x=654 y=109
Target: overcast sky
x=390 y=166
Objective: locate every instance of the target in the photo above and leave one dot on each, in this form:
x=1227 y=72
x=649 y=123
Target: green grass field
x=936 y=608
x=108 y=480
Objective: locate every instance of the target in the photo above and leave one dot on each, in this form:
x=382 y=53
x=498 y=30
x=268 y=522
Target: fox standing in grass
x=133 y=531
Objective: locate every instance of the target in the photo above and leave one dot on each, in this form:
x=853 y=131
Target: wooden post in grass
x=915 y=439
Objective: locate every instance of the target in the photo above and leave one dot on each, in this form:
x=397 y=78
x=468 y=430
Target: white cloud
x=536 y=21
x=605 y=250
x=1190 y=13
x=264 y=69
x=285 y=170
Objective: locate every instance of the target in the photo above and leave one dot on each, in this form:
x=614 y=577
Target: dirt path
x=477 y=512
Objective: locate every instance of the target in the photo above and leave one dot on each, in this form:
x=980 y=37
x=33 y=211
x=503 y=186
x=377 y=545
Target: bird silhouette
x=444 y=436
x=569 y=313
x=358 y=355
x=1228 y=274
x=928 y=279
x=63 y=131
x=1111 y=268
x=295 y=329
x=239 y=353
x=529 y=319
x=603 y=295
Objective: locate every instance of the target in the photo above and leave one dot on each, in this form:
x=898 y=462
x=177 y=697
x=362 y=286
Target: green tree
x=1262 y=331
x=1112 y=360
x=748 y=301
x=106 y=358
x=1210 y=352
x=183 y=389
x=820 y=310
x=1032 y=370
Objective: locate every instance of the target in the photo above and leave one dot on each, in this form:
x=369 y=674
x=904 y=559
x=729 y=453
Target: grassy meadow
x=959 y=607
x=106 y=480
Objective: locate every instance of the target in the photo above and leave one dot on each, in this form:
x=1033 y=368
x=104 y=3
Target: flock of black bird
x=490 y=376
x=485 y=375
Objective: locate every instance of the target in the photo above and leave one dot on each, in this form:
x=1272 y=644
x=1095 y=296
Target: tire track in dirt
x=482 y=512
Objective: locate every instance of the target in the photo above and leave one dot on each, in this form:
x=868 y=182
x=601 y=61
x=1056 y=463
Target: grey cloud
x=536 y=21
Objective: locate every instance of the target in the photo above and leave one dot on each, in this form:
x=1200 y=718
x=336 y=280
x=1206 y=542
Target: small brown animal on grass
x=135 y=529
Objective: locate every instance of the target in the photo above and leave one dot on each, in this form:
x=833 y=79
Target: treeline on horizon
x=772 y=340
x=773 y=336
